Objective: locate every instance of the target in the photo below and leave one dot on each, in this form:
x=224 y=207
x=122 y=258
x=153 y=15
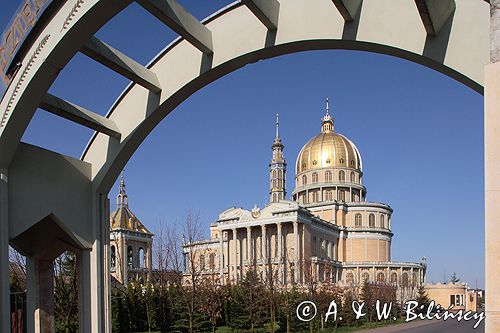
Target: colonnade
x=232 y=257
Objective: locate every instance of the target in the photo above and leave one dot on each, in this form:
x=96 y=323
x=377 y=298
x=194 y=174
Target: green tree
x=248 y=309
x=422 y=299
x=65 y=293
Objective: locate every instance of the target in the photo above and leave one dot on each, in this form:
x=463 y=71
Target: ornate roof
x=122 y=217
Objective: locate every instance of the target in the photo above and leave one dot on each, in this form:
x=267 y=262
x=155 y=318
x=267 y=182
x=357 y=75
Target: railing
x=18 y=312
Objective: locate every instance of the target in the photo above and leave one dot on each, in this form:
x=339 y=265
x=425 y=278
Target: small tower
x=277 y=169
x=130 y=243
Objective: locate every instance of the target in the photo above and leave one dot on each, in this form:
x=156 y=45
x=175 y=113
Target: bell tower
x=277 y=168
x=130 y=243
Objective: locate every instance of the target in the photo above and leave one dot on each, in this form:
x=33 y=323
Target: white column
x=99 y=267
x=280 y=253
x=235 y=255
x=221 y=255
x=492 y=172
x=249 y=248
x=264 y=252
x=296 y=250
x=84 y=298
x=4 y=254
x=40 y=295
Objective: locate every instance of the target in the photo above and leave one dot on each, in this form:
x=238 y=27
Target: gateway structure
x=327 y=232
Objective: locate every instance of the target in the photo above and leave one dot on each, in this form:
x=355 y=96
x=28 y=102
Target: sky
x=419 y=132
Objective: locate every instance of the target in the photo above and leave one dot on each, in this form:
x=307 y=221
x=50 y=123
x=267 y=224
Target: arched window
x=328 y=176
x=314 y=177
x=329 y=196
x=314 y=246
x=212 y=261
x=371 y=220
x=382 y=221
x=341 y=195
x=274 y=197
x=315 y=196
x=342 y=175
x=113 y=256
x=280 y=174
x=274 y=173
x=358 y=220
x=304 y=180
x=202 y=262
x=141 y=258
x=349 y=278
x=130 y=257
x=353 y=177
x=405 y=280
x=380 y=277
x=365 y=276
x=394 y=278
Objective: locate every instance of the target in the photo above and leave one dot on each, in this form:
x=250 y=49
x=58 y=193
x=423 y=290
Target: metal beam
x=267 y=11
x=435 y=13
x=79 y=115
x=120 y=63
x=348 y=8
x=181 y=21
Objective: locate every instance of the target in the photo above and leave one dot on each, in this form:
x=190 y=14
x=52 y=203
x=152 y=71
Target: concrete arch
x=184 y=70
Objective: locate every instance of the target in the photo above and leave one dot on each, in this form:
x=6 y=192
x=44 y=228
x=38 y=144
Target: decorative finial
x=327 y=120
x=122 y=198
x=277 y=126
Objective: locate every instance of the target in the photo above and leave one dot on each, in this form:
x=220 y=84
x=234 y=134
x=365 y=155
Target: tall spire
x=122 y=198
x=277 y=126
x=277 y=168
x=327 y=120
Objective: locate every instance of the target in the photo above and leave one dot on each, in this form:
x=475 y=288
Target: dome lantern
x=327 y=120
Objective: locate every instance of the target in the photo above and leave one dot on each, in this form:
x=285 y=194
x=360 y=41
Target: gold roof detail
x=328 y=149
x=122 y=217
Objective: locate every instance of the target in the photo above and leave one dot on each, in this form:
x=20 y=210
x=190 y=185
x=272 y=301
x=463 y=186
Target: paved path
x=430 y=326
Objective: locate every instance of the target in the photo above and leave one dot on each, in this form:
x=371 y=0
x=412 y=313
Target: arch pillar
x=492 y=172
x=4 y=254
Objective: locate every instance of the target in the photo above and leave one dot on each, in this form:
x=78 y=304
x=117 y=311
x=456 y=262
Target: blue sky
x=420 y=134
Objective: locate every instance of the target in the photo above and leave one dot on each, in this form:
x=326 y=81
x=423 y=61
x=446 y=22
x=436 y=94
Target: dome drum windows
x=328 y=176
x=341 y=195
x=314 y=177
x=382 y=221
x=358 y=220
x=342 y=176
x=304 y=180
x=315 y=196
x=371 y=220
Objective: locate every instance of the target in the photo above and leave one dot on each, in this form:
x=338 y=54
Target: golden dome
x=328 y=149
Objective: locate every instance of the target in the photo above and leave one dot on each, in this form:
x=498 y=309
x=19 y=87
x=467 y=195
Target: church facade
x=329 y=231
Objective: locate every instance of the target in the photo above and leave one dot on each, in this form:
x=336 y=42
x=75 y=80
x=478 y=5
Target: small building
x=453 y=296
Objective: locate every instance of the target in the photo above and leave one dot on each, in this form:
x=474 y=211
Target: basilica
x=328 y=231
